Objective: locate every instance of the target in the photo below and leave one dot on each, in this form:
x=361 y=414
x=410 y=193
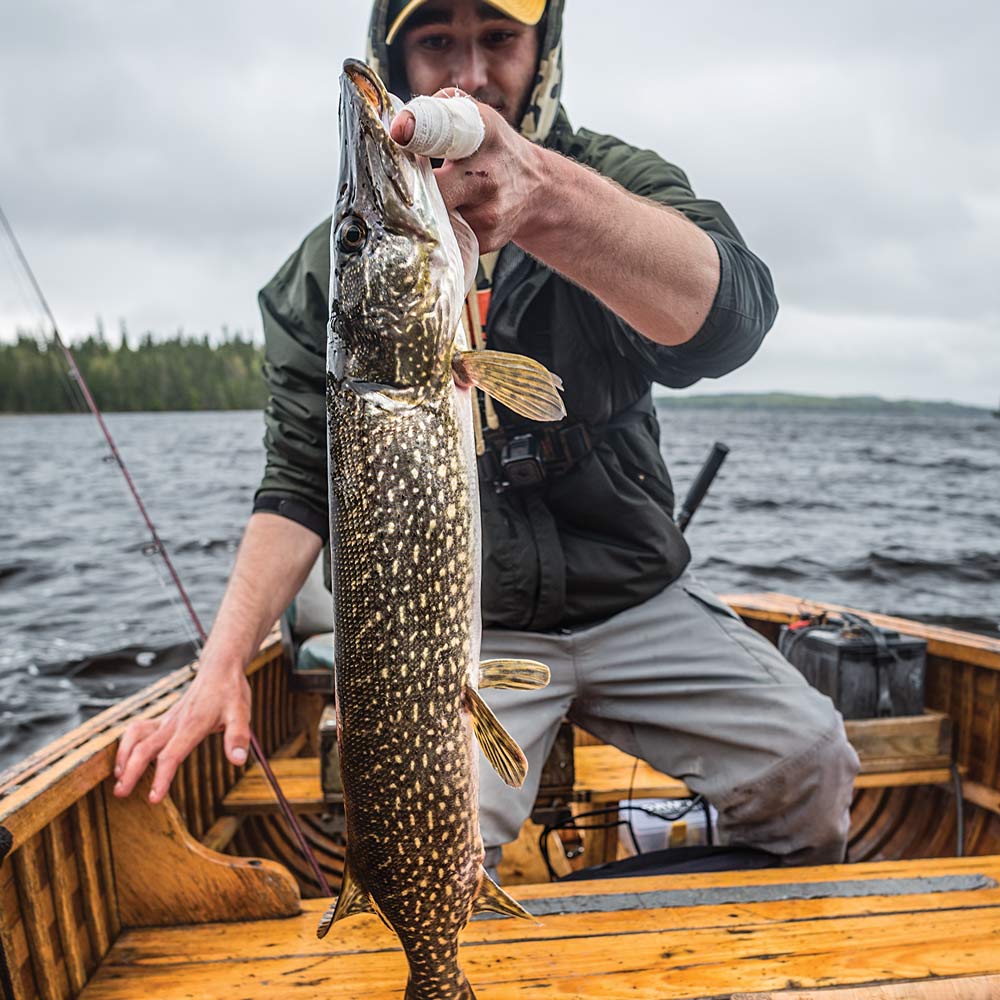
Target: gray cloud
x=160 y=159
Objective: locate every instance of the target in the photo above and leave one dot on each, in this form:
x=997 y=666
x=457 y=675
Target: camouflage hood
x=544 y=101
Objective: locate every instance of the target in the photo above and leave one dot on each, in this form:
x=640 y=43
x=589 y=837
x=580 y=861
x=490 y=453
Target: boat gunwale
x=87 y=751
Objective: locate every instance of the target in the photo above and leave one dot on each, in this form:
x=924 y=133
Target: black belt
x=520 y=459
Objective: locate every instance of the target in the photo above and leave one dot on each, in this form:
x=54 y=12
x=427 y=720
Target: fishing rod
x=157 y=546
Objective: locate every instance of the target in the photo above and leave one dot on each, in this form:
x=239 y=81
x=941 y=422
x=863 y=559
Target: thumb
x=402 y=126
x=439 y=127
x=237 y=739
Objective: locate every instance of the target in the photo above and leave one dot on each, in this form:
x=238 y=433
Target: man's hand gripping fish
x=404 y=510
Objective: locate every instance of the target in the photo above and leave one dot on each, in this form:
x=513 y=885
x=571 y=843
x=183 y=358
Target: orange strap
x=484 y=305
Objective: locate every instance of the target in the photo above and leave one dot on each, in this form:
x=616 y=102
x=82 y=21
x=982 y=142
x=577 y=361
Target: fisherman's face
x=470 y=45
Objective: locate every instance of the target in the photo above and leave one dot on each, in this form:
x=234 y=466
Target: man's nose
x=470 y=69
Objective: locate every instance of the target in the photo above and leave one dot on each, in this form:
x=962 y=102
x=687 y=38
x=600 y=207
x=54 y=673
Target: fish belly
x=404 y=520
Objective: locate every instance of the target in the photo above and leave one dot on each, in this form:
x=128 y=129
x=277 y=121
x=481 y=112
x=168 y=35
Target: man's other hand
x=215 y=702
x=495 y=188
x=274 y=560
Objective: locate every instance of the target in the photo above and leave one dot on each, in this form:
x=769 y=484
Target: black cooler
x=867 y=671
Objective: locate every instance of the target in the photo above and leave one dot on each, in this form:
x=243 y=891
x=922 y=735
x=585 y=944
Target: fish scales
x=405 y=584
x=405 y=551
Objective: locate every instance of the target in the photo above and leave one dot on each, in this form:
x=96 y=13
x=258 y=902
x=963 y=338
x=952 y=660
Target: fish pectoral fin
x=352 y=899
x=520 y=383
x=491 y=898
x=518 y=675
x=498 y=745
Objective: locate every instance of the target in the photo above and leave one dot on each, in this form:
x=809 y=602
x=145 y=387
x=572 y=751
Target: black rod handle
x=701 y=485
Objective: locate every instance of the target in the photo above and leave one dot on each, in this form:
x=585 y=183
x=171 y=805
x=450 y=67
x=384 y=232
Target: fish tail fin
x=352 y=899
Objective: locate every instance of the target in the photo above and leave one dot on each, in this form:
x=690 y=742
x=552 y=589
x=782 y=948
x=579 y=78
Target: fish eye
x=352 y=234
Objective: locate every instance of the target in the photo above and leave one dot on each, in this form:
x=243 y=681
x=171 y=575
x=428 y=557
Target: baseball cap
x=525 y=11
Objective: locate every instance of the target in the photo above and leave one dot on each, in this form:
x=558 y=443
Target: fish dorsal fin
x=498 y=745
x=519 y=675
x=491 y=898
x=520 y=383
x=352 y=899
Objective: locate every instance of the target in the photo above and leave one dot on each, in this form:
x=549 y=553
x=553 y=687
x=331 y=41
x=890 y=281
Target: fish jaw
x=398 y=280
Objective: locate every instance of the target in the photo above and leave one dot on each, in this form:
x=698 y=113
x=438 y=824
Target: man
x=614 y=275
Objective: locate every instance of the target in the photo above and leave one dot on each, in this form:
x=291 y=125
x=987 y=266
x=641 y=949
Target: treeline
x=180 y=373
x=796 y=401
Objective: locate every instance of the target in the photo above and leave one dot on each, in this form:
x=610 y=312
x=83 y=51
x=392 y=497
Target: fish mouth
x=368 y=91
x=375 y=172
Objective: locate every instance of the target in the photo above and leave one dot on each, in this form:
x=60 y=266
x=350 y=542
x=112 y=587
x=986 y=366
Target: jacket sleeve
x=745 y=305
x=294 y=308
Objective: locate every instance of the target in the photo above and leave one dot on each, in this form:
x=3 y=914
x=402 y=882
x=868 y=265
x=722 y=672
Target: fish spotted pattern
x=405 y=552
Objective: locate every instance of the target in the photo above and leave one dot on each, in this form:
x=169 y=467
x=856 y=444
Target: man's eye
x=435 y=43
x=497 y=38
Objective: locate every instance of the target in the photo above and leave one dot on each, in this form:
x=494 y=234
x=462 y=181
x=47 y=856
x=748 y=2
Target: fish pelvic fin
x=352 y=899
x=498 y=745
x=520 y=383
x=519 y=675
x=491 y=898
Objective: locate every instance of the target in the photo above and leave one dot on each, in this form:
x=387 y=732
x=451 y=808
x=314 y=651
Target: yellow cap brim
x=525 y=11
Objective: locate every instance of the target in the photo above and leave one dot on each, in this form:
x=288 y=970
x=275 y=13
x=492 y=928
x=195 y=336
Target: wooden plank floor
x=692 y=936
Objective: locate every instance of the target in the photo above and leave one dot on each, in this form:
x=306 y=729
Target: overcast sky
x=160 y=159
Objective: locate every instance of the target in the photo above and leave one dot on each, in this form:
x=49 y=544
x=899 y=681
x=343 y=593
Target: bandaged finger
x=447 y=128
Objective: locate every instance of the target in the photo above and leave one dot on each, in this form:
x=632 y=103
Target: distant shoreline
x=794 y=401
x=665 y=398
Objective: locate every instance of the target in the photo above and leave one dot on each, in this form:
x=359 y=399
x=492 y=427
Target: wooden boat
x=103 y=899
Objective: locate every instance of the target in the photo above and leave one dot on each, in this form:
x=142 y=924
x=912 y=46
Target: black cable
x=661 y=812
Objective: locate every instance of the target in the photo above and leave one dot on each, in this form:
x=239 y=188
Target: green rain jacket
x=600 y=538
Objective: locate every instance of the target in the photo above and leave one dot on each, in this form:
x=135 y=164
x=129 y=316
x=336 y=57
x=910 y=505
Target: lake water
x=889 y=512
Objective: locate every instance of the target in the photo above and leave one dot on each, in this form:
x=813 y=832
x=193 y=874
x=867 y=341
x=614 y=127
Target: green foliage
x=181 y=373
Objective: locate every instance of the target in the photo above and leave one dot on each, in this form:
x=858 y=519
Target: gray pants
x=682 y=683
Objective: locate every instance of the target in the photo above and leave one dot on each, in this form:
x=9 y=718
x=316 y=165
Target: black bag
x=867 y=671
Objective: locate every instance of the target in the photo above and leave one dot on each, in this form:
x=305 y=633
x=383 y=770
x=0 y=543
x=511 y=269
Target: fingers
x=135 y=733
x=150 y=739
x=208 y=706
x=435 y=127
x=170 y=758
x=402 y=126
x=237 y=736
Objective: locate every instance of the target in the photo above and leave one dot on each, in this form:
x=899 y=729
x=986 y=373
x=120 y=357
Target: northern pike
x=405 y=549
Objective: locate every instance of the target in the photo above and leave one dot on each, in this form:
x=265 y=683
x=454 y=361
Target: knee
x=800 y=808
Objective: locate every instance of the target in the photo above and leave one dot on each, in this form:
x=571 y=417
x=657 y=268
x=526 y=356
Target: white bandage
x=447 y=128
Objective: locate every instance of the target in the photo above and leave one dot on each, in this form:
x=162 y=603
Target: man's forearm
x=645 y=262
x=274 y=559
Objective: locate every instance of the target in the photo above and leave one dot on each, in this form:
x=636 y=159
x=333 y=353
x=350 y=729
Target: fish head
x=397 y=283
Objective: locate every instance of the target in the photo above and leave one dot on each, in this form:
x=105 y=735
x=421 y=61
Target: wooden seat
x=672 y=937
x=605 y=776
